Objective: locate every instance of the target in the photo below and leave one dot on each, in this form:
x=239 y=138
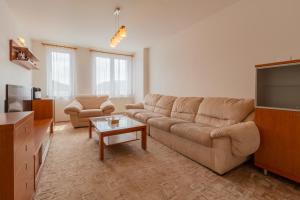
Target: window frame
x=50 y=81
x=112 y=58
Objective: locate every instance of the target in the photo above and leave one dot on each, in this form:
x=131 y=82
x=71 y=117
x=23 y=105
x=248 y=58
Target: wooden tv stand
x=43 y=121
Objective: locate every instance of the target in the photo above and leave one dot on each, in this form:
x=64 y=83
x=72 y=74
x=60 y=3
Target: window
x=60 y=72
x=112 y=75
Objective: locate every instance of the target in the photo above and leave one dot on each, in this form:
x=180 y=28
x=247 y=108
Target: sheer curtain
x=112 y=75
x=60 y=72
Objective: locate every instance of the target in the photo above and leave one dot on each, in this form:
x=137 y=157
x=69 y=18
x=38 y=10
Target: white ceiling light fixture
x=120 y=30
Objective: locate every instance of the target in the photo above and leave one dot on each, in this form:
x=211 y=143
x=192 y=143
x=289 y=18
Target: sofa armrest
x=107 y=107
x=74 y=106
x=134 y=106
x=245 y=138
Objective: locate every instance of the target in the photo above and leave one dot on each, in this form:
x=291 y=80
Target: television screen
x=18 y=99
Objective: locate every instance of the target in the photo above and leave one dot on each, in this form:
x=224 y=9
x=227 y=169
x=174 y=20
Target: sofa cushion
x=164 y=123
x=90 y=113
x=164 y=105
x=145 y=116
x=73 y=107
x=107 y=107
x=219 y=112
x=194 y=132
x=186 y=108
x=150 y=101
x=91 y=101
x=133 y=112
x=134 y=106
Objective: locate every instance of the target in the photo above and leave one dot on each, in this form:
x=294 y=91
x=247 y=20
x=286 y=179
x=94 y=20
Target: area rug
x=73 y=171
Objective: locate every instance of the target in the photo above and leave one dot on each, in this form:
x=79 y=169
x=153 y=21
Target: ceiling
x=90 y=23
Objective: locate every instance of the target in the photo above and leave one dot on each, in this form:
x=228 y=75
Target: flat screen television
x=18 y=98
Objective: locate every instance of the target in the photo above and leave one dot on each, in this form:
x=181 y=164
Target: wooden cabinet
x=43 y=108
x=279 y=151
x=16 y=156
x=278 y=118
x=24 y=141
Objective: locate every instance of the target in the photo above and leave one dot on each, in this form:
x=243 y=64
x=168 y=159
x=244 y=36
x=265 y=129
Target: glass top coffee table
x=104 y=128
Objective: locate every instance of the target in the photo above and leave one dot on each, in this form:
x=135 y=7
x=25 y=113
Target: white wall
x=83 y=79
x=146 y=54
x=216 y=57
x=9 y=72
x=141 y=86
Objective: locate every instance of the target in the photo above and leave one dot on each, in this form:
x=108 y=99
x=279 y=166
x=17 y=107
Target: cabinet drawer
x=20 y=191
x=24 y=184
x=23 y=155
x=22 y=133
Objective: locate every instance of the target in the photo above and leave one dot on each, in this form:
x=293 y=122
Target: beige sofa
x=84 y=107
x=217 y=132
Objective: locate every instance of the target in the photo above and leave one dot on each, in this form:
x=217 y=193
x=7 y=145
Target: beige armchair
x=84 y=107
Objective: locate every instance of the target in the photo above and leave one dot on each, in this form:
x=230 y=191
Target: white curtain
x=112 y=75
x=60 y=72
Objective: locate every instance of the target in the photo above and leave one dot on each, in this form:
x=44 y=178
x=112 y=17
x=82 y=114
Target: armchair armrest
x=74 y=106
x=244 y=136
x=135 y=106
x=107 y=107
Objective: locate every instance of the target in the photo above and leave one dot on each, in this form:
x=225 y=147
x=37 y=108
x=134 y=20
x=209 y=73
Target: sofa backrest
x=150 y=101
x=164 y=105
x=91 y=101
x=219 y=112
x=186 y=108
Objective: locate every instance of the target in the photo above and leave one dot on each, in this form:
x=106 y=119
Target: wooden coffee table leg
x=90 y=129
x=144 y=138
x=101 y=147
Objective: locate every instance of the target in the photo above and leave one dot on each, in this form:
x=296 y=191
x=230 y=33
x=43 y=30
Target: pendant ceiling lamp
x=120 y=30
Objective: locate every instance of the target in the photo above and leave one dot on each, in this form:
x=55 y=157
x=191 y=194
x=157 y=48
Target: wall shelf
x=29 y=61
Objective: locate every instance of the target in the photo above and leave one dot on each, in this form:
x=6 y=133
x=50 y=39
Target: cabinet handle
x=26 y=185
x=26 y=147
x=26 y=166
x=27 y=129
